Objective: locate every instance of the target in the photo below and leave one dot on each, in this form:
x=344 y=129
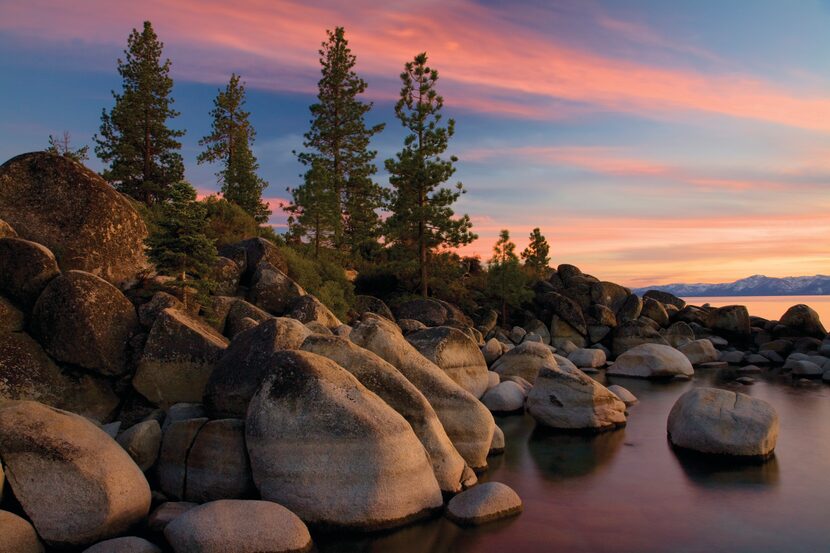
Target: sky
x=651 y=141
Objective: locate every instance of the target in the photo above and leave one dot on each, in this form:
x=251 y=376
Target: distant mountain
x=756 y=285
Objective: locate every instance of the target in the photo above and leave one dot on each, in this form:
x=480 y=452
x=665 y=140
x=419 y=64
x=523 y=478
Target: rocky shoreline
x=134 y=417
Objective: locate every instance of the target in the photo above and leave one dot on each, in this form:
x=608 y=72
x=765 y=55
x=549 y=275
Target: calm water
x=627 y=491
x=769 y=307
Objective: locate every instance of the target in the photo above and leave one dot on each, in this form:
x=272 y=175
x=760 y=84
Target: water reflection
x=562 y=455
x=720 y=472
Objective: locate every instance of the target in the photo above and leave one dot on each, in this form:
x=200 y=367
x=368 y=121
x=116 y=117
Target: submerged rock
x=75 y=483
x=711 y=420
x=238 y=526
x=484 y=503
x=332 y=451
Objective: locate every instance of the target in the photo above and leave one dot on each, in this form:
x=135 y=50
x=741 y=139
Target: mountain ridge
x=755 y=285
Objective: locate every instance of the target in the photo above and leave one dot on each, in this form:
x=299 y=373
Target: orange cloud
x=484 y=58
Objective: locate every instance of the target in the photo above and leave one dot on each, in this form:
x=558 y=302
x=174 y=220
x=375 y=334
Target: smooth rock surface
x=456 y=354
x=507 y=397
x=700 y=351
x=627 y=397
x=484 y=503
x=142 y=442
x=17 y=535
x=130 y=544
x=651 y=361
x=524 y=360
x=590 y=358
x=25 y=270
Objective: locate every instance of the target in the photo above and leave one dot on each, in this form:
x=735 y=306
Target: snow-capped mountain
x=756 y=285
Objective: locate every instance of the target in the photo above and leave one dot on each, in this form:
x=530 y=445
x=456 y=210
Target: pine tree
x=313 y=211
x=178 y=245
x=62 y=147
x=230 y=143
x=422 y=216
x=338 y=145
x=536 y=253
x=141 y=150
x=505 y=278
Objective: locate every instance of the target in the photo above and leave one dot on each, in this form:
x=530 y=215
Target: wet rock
x=524 y=360
x=392 y=387
x=456 y=354
x=27 y=373
x=75 y=483
x=57 y=202
x=651 y=361
x=484 y=503
x=17 y=535
x=238 y=526
x=710 y=420
x=25 y=270
x=142 y=442
x=129 y=544
x=272 y=290
x=700 y=351
x=332 y=451
x=178 y=359
x=467 y=422
x=240 y=371
x=84 y=320
x=568 y=399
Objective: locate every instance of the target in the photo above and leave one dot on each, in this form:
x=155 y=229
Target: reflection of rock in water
x=719 y=471
x=437 y=534
x=561 y=455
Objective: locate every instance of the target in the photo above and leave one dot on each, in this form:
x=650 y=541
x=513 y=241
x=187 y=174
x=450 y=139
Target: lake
x=769 y=307
x=628 y=491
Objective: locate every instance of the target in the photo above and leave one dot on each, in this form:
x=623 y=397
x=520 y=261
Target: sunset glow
x=650 y=144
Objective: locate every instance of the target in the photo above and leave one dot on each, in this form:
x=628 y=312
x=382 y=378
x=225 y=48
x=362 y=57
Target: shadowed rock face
x=83 y=320
x=731 y=320
x=332 y=451
x=61 y=204
x=467 y=421
x=524 y=360
x=804 y=320
x=76 y=484
x=456 y=353
x=711 y=420
x=25 y=270
x=246 y=362
x=383 y=379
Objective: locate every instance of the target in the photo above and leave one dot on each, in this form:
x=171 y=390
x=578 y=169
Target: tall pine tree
x=313 y=212
x=422 y=217
x=141 y=150
x=536 y=253
x=505 y=279
x=230 y=143
x=338 y=153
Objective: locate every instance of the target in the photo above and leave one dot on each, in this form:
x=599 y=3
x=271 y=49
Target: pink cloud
x=278 y=41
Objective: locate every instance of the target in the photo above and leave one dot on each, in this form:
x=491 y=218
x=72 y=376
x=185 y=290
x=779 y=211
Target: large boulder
x=333 y=452
x=570 y=399
x=239 y=373
x=651 y=361
x=678 y=334
x=711 y=420
x=84 y=320
x=454 y=352
x=272 y=290
x=308 y=309
x=631 y=309
x=524 y=360
x=61 y=204
x=804 y=320
x=225 y=274
x=609 y=294
x=561 y=330
x=484 y=503
x=468 y=423
x=25 y=270
x=392 y=387
x=731 y=321
x=432 y=312
x=257 y=251
x=240 y=312
x=217 y=463
x=239 y=527
x=74 y=482
x=634 y=333
x=178 y=359
x=17 y=535
x=371 y=304
x=655 y=311
x=171 y=469
x=567 y=310
x=665 y=298
x=700 y=351
x=27 y=373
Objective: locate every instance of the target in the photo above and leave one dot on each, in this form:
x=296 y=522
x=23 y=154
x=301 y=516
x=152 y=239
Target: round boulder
x=524 y=360
x=74 y=482
x=84 y=320
x=507 y=397
x=142 y=441
x=484 y=503
x=238 y=526
x=711 y=420
x=651 y=361
x=700 y=351
x=456 y=353
x=804 y=320
x=587 y=358
x=332 y=451
x=57 y=202
x=25 y=270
